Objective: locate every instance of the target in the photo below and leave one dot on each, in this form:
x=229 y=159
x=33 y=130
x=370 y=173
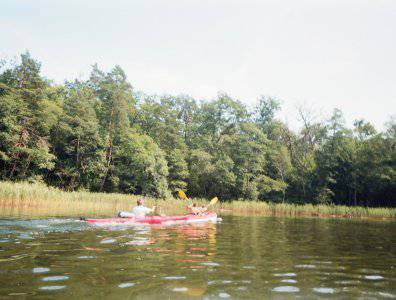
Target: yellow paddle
x=182 y=194
x=213 y=201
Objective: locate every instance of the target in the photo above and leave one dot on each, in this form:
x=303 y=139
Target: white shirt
x=141 y=211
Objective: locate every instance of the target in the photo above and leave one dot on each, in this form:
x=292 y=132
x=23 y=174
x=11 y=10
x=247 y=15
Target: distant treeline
x=100 y=135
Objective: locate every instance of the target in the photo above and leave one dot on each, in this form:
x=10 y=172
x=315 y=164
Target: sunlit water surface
x=239 y=258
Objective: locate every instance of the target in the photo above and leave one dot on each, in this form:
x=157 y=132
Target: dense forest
x=101 y=135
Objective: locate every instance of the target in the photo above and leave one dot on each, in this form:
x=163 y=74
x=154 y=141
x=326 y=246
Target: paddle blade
x=182 y=194
x=214 y=201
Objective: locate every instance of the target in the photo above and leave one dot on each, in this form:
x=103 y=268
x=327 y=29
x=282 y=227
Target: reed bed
x=306 y=210
x=38 y=200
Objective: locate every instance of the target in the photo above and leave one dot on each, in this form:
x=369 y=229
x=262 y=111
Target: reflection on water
x=55 y=278
x=126 y=285
x=40 y=270
x=241 y=258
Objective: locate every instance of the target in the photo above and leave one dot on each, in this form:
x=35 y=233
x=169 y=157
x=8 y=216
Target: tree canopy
x=100 y=135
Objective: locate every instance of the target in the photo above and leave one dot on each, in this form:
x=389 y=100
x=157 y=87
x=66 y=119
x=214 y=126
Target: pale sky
x=324 y=53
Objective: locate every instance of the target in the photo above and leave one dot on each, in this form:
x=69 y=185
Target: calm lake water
x=238 y=258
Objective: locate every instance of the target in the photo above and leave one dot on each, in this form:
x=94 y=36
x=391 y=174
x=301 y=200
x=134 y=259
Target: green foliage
x=265 y=112
x=178 y=170
x=114 y=107
x=24 y=106
x=99 y=135
x=161 y=120
x=201 y=168
x=140 y=166
x=76 y=141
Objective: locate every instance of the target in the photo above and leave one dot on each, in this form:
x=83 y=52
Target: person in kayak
x=197 y=210
x=139 y=211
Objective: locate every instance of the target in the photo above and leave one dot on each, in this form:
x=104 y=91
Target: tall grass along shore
x=38 y=200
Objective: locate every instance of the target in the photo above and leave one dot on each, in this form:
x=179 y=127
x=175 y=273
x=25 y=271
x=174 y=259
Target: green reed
x=35 y=200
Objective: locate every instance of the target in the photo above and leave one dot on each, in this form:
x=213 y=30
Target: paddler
x=196 y=210
x=140 y=210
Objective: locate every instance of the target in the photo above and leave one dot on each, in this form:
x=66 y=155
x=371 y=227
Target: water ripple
x=224 y=295
x=52 y=287
x=323 y=290
x=285 y=274
x=108 y=241
x=210 y=264
x=249 y=267
x=286 y=289
x=305 y=266
x=387 y=295
x=174 y=277
x=126 y=285
x=374 y=277
x=40 y=270
x=289 y=281
x=180 y=289
x=55 y=278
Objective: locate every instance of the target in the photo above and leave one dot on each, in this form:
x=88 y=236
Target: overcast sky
x=324 y=53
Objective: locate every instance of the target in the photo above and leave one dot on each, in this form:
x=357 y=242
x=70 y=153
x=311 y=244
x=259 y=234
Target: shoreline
x=22 y=199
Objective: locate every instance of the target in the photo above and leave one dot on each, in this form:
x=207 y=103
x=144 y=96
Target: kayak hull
x=208 y=217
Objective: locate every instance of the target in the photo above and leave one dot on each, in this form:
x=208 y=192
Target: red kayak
x=190 y=218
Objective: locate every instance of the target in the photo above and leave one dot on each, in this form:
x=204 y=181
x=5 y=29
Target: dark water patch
x=244 y=258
